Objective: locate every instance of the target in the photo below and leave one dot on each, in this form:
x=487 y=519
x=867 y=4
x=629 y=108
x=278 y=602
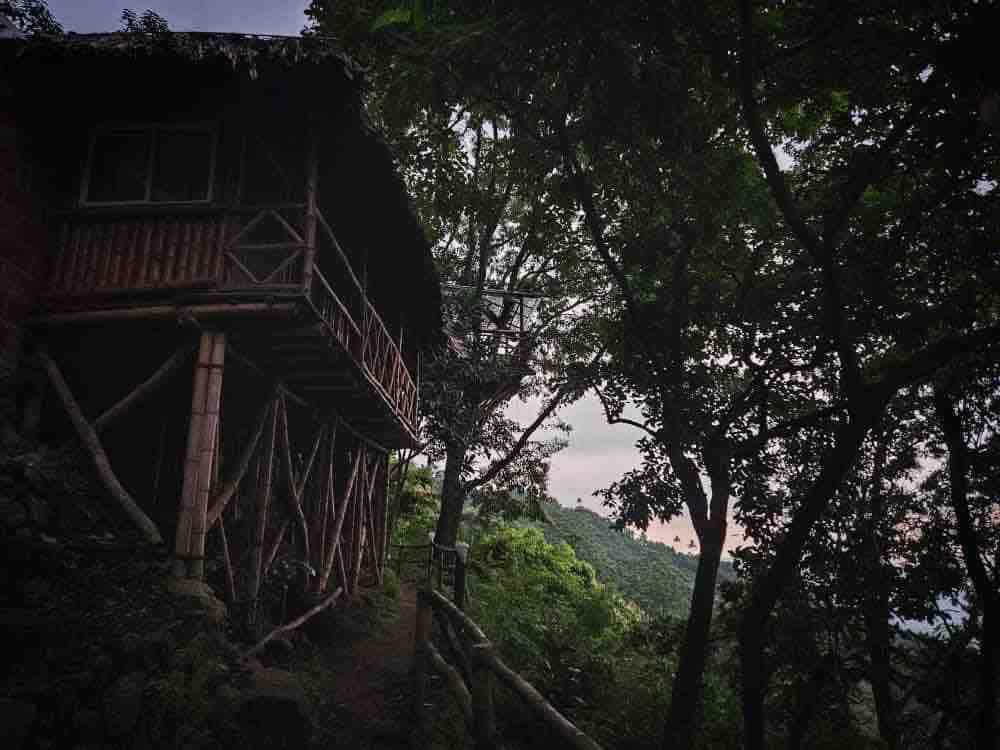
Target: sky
x=598 y=454
x=243 y=16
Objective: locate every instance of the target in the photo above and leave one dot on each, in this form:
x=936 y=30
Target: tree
x=31 y=16
x=507 y=254
x=891 y=149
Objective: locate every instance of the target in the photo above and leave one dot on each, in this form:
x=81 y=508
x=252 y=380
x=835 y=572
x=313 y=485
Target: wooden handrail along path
x=471 y=679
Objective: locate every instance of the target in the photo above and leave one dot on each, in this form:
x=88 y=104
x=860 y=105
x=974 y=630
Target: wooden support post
x=228 y=562
x=206 y=455
x=358 y=557
x=229 y=487
x=338 y=524
x=262 y=505
x=312 y=187
x=192 y=460
x=461 y=559
x=93 y=445
x=295 y=485
x=482 y=698
x=421 y=639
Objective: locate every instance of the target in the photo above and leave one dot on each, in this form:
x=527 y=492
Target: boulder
x=274 y=711
x=201 y=594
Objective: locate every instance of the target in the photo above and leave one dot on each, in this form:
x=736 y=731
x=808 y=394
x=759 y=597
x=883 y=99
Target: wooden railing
x=470 y=678
x=384 y=361
x=433 y=566
x=212 y=249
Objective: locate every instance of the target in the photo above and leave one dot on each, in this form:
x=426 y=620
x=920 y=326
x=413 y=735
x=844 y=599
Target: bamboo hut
x=220 y=288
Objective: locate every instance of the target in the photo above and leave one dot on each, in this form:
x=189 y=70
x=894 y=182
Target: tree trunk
x=684 y=717
x=989 y=646
x=768 y=586
x=452 y=495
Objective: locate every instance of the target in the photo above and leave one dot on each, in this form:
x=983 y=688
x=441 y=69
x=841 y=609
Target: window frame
x=154 y=129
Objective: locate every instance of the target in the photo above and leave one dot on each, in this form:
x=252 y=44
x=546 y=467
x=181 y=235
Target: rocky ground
x=102 y=649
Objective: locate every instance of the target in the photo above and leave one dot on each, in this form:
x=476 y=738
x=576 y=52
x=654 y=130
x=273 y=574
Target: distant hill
x=654 y=575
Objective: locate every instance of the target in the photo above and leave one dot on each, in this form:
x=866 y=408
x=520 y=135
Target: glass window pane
x=182 y=165
x=118 y=166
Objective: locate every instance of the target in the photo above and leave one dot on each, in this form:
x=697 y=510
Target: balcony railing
x=140 y=253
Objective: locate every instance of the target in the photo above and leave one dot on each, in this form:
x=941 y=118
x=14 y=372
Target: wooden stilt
x=192 y=459
x=338 y=523
x=229 y=487
x=272 y=550
x=206 y=455
x=227 y=562
x=262 y=505
x=294 y=486
x=93 y=445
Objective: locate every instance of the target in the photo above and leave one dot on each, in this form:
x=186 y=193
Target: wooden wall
x=23 y=236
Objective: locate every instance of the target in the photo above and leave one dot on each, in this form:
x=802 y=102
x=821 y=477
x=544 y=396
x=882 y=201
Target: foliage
x=651 y=574
x=418 y=507
x=31 y=17
x=581 y=643
x=148 y=22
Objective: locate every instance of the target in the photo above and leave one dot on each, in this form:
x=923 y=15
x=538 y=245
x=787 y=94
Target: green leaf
x=419 y=15
x=393 y=17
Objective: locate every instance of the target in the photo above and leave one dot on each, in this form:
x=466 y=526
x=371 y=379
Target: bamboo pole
x=147 y=388
x=228 y=562
x=221 y=498
x=213 y=400
x=272 y=550
x=297 y=622
x=294 y=487
x=93 y=445
x=262 y=506
x=192 y=460
x=338 y=522
x=312 y=180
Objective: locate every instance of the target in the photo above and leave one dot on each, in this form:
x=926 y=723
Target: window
x=157 y=164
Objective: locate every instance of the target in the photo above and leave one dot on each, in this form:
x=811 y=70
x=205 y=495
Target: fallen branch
x=297 y=622
x=93 y=445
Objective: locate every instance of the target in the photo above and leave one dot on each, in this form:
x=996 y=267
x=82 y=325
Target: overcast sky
x=597 y=454
x=244 y=16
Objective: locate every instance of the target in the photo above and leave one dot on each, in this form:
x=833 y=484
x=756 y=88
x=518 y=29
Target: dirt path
x=371 y=694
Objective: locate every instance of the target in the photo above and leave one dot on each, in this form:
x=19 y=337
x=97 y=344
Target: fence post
x=422 y=636
x=482 y=698
x=461 y=559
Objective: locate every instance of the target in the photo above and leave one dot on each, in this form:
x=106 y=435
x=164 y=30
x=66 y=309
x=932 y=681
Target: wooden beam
x=338 y=523
x=99 y=458
x=294 y=494
x=262 y=505
x=147 y=388
x=225 y=494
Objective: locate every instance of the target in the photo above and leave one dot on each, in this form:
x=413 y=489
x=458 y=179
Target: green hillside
x=652 y=574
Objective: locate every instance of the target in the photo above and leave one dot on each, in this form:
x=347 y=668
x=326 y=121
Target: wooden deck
x=332 y=349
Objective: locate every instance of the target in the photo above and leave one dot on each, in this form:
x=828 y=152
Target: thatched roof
x=76 y=77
